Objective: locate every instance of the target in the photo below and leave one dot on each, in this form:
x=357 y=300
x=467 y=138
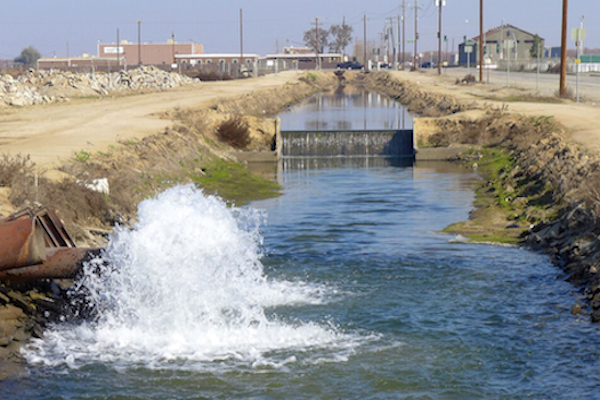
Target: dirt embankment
x=548 y=186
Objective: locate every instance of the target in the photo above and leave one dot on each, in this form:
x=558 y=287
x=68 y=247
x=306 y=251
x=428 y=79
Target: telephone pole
x=563 y=52
x=241 y=39
x=173 y=46
x=317 y=45
x=416 y=55
x=440 y=4
x=118 y=50
x=139 y=23
x=399 y=41
x=403 y=32
x=481 y=43
x=365 y=42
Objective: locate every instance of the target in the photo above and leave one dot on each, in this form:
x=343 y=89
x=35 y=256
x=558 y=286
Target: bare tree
x=310 y=39
x=341 y=37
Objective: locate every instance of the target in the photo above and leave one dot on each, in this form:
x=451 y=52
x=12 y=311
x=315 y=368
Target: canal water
x=342 y=288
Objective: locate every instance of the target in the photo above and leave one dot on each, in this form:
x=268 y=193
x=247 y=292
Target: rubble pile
x=43 y=87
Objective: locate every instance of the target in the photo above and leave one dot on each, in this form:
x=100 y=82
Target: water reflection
x=347 y=109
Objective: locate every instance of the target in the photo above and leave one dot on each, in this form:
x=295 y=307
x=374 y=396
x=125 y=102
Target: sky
x=53 y=26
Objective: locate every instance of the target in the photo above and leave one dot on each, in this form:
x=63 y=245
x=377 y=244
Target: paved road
x=589 y=84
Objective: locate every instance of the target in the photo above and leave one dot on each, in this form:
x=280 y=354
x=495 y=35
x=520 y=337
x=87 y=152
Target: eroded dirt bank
x=546 y=189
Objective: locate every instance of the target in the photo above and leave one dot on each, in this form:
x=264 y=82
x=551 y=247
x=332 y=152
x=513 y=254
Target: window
x=235 y=61
x=209 y=61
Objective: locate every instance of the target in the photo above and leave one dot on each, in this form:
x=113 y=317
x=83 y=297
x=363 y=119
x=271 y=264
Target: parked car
x=350 y=65
x=429 y=65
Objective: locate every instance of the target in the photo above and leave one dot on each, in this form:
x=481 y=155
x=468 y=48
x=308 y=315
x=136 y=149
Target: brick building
x=148 y=53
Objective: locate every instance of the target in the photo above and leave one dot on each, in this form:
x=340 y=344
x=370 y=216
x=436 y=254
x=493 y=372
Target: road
x=52 y=133
x=589 y=84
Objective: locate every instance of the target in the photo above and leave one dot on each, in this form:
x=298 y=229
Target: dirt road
x=582 y=120
x=52 y=133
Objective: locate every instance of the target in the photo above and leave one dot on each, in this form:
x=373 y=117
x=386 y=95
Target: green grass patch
x=234 y=183
x=82 y=156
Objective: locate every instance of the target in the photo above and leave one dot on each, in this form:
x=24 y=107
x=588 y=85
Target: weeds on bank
x=14 y=168
x=82 y=156
x=234 y=132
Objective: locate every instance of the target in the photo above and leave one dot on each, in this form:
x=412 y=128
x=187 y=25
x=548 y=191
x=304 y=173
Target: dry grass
x=14 y=168
x=234 y=132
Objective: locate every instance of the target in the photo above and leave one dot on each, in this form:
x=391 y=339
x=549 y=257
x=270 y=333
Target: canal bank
x=540 y=183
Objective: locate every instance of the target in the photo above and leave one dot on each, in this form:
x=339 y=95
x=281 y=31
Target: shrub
x=235 y=132
x=12 y=168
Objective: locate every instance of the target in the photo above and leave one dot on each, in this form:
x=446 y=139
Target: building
x=147 y=53
x=303 y=60
x=217 y=60
x=499 y=45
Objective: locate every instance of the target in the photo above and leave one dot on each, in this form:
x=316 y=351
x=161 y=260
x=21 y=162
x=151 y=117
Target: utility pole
x=365 y=42
x=440 y=3
x=393 y=40
x=317 y=45
x=399 y=45
x=241 y=38
x=481 y=42
x=173 y=46
x=139 y=23
x=403 y=32
x=118 y=49
x=416 y=57
x=563 y=52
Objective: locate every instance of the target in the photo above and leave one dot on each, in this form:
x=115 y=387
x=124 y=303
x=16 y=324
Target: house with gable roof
x=499 y=44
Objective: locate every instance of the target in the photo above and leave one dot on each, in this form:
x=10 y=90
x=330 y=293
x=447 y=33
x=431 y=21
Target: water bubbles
x=186 y=285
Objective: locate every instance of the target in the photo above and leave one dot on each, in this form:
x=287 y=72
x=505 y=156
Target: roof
x=303 y=55
x=217 y=55
x=505 y=27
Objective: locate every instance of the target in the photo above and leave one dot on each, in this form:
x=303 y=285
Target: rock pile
x=42 y=87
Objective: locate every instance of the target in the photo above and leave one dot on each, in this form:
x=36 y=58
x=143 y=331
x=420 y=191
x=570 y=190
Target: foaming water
x=186 y=288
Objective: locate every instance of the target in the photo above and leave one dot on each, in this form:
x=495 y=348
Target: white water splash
x=186 y=285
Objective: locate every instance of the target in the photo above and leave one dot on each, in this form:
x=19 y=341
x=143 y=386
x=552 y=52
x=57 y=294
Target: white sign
x=113 y=50
x=577 y=34
x=437 y=3
x=468 y=49
x=509 y=44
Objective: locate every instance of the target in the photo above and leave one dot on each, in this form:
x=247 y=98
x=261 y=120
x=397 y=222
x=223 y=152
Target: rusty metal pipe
x=21 y=243
x=61 y=263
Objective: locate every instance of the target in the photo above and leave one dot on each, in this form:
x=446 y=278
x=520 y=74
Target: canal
x=342 y=288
